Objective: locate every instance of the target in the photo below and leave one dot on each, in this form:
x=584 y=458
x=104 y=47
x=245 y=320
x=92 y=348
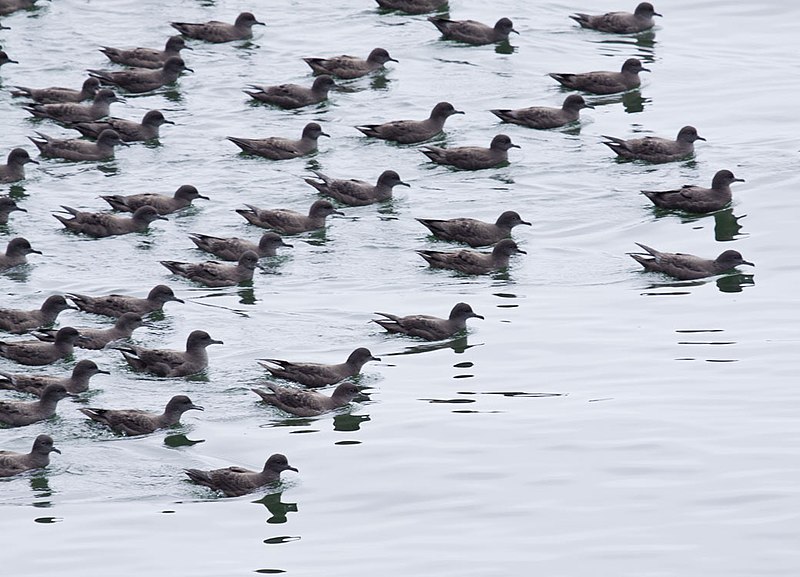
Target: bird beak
x=645 y=70
x=200 y=195
x=585 y=105
x=168 y=122
x=36 y=251
x=187 y=69
x=459 y=112
x=339 y=212
x=657 y=14
x=514 y=31
x=401 y=183
x=746 y=262
x=56 y=450
x=292 y=469
x=525 y=222
x=215 y=342
x=739 y=180
x=324 y=134
x=33 y=161
x=25 y=210
x=103 y=372
x=522 y=251
x=477 y=316
x=198 y=407
x=177 y=300
x=264 y=23
x=515 y=146
x=374 y=358
x=393 y=60
x=161 y=217
x=120 y=99
x=701 y=138
x=287 y=244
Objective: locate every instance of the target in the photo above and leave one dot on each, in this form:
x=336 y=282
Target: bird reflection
x=726 y=225
x=277 y=509
x=459 y=345
x=735 y=283
x=176 y=441
x=348 y=423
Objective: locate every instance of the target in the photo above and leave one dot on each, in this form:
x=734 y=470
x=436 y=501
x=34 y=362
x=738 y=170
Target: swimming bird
x=471 y=262
x=138 y=80
x=319 y=375
x=687 y=266
x=16 y=251
x=411 y=131
x=95 y=339
x=693 y=198
x=357 y=192
x=215 y=31
x=655 y=149
x=413 y=6
x=7 y=206
x=619 y=22
x=303 y=403
x=604 y=82
x=472 y=32
x=349 y=67
x=287 y=221
x=429 y=327
x=238 y=481
x=21 y=321
x=544 y=117
x=14 y=170
x=78 y=150
x=182 y=198
x=216 y=274
x=76 y=382
x=474 y=232
x=38 y=353
x=171 y=363
x=293 y=95
x=73 y=112
x=233 y=248
x=277 y=148
x=128 y=130
x=22 y=413
x=103 y=224
x=146 y=57
x=57 y=94
x=12 y=463
x=133 y=422
x=4 y=59
x=116 y=305
x=472 y=157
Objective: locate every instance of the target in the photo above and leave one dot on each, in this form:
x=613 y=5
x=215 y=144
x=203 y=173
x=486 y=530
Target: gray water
x=599 y=420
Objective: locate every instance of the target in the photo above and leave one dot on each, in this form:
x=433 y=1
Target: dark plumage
x=7 y=206
x=146 y=57
x=693 y=198
x=103 y=224
x=471 y=262
x=655 y=149
x=12 y=463
x=472 y=157
x=237 y=481
x=115 y=305
x=472 y=32
x=78 y=150
x=544 y=117
x=413 y=6
x=22 y=413
x=95 y=339
x=21 y=321
x=38 y=353
x=4 y=59
x=232 y=249
x=474 y=232
x=16 y=251
x=604 y=82
x=287 y=221
x=133 y=422
x=73 y=112
x=349 y=67
x=128 y=130
x=182 y=198
x=14 y=170
x=619 y=22
x=10 y=6
x=57 y=94
x=216 y=274
x=171 y=363
x=277 y=148
x=77 y=382
x=412 y=131
x=357 y=192
x=304 y=403
x=428 y=327
x=318 y=375
x=687 y=266
x=293 y=95
x=138 y=80
x=216 y=31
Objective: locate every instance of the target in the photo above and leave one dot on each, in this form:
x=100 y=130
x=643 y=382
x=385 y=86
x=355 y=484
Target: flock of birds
x=148 y=69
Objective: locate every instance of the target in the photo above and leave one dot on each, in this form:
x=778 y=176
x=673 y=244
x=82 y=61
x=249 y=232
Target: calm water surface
x=600 y=420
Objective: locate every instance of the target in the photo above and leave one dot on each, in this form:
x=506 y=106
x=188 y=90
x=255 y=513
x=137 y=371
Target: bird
x=619 y=22
x=277 y=148
x=238 y=481
x=302 y=403
x=115 y=305
x=472 y=32
x=655 y=149
x=168 y=362
x=357 y=192
x=216 y=274
x=429 y=327
x=103 y=224
x=16 y=251
x=10 y=6
x=471 y=262
x=687 y=266
x=128 y=130
x=412 y=131
x=474 y=232
x=95 y=339
x=22 y=413
x=78 y=150
x=57 y=94
x=14 y=169
x=76 y=382
x=285 y=221
x=604 y=82
x=4 y=59
x=38 y=353
x=7 y=206
x=146 y=57
x=693 y=198
x=293 y=95
x=413 y=6
x=318 y=375
x=472 y=157
x=73 y=112
x=182 y=198
x=215 y=31
x=350 y=67
x=134 y=422
x=232 y=249
x=544 y=117
x=12 y=463
x=138 y=80
x=21 y=321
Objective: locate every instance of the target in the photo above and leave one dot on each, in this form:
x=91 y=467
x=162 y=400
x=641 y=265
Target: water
x=598 y=418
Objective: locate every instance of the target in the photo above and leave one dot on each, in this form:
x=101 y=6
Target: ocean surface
x=600 y=420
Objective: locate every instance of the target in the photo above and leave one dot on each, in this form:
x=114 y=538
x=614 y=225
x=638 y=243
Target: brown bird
x=7 y=206
x=472 y=262
x=95 y=339
x=292 y=96
x=216 y=274
x=133 y=422
x=287 y=221
x=604 y=82
x=16 y=251
x=14 y=170
x=216 y=31
x=304 y=403
x=429 y=327
x=656 y=149
x=57 y=94
x=357 y=192
x=146 y=57
x=474 y=232
x=21 y=321
x=115 y=305
x=472 y=32
x=544 y=117
x=138 y=80
x=472 y=157
x=78 y=150
x=412 y=131
x=103 y=224
x=237 y=481
x=232 y=249
x=182 y=198
x=277 y=148
x=73 y=112
x=37 y=353
x=693 y=198
x=77 y=382
x=349 y=67
x=12 y=463
x=171 y=363
x=619 y=22
x=128 y=130
x=687 y=266
x=20 y=413
x=319 y=375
